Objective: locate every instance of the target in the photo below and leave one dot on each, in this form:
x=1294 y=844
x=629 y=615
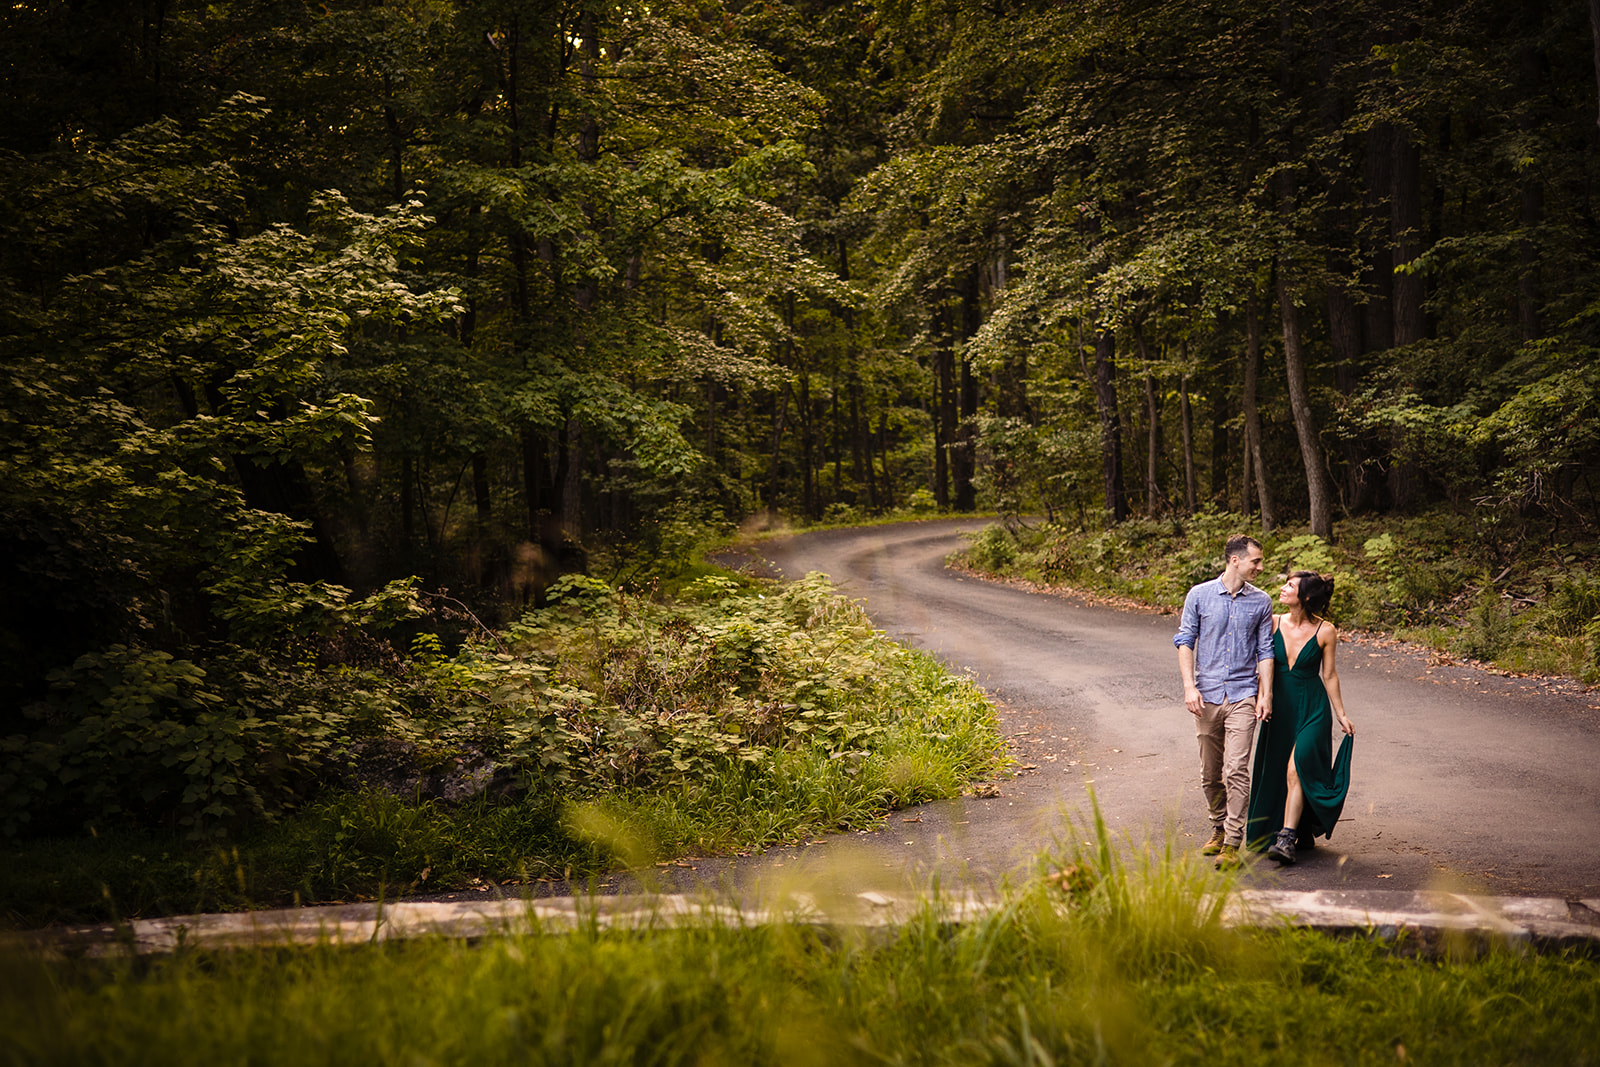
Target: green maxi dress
x=1301 y=723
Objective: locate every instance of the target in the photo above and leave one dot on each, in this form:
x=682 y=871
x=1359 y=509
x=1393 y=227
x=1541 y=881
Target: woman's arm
x=1330 y=679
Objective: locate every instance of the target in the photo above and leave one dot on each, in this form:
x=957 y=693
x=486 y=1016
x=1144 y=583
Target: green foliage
x=1027 y=468
x=991 y=549
x=133 y=730
x=1423 y=577
x=735 y=716
x=675 y=695
x=1489 y=629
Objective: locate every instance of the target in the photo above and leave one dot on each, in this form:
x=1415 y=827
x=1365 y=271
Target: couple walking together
x=1243 y=666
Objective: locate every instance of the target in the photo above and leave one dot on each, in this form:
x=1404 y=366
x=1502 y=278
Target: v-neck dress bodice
x=1301 y=728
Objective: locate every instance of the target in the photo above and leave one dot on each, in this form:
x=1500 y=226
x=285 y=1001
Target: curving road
x=1462 y=779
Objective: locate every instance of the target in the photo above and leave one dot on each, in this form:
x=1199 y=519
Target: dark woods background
x=304 y=298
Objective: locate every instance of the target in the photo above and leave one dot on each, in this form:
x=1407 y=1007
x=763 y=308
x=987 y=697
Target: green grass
x=1104 y=964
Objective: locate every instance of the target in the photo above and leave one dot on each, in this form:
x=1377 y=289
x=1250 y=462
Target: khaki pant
x=1225 y=732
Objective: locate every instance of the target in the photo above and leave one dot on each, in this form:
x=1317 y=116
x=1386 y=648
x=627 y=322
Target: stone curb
x=1425 y=921
x=1432 y=918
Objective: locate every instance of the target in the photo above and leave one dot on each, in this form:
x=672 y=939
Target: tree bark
x=1191 y=479
x=1378 y=275
x=1317 y=482
x=1594 y=29
x=1318 y=486
x=1533 y=68
x=1221 y=411
x=1405 y=215
x=1344 y=313
x=1255 y=467
x=483 y=506
x=944 y=407
x=780 y=418
x=1152 y=434
x=883 y=450
x=1105 y=392
x=808 y=480
x=964 y=458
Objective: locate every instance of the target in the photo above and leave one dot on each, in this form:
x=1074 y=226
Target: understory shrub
x=1473 y=590
x=734 y=715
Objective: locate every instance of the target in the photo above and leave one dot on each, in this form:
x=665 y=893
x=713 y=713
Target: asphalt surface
x=1463 y=780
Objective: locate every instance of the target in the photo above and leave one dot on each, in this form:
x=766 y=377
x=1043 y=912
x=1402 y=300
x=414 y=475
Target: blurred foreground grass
x=1096 y=962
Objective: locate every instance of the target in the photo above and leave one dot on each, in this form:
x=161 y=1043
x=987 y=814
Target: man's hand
x=1193 y=700
x=1263 y=710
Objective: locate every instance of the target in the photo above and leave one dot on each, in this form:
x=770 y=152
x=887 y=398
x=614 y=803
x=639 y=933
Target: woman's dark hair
x=1315 y=591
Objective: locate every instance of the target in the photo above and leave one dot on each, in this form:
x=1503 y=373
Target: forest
x=329 y=327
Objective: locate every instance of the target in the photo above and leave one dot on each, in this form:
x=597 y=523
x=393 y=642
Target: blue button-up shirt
x=1230 y=634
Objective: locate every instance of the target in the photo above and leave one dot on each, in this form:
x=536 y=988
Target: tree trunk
x=944 y=406
x=535 y=482
x=1409 y=322
x=1594 y=28
x=480 y=489
x=284 y=489
x=1405 y=214
x=808 y=481
x=780 y=418
x=1105 y=392
x=1378 y=275
x=1305 y=426
x=883 y=450
x=1317 y=482
x=965 y=456
x=1255 y=467
x=834 y=427
x=567 y=494
x=1012 y=386
x=1152 y=434
x=1534 y=75
x=1221 y=410
x=1344 y=312
x=1191 y=479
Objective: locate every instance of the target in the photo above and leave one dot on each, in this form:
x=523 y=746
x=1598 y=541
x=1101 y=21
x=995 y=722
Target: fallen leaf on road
x=917 y=819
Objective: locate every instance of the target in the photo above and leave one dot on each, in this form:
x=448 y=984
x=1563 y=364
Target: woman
x=1298 y=785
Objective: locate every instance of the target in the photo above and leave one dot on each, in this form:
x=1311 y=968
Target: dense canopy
x=304 y=307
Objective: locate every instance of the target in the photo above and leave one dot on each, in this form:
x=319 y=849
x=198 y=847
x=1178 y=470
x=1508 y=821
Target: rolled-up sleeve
x=1264 y=634
x=1188 y=622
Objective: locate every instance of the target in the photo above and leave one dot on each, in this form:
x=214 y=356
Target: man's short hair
x=1236 y=545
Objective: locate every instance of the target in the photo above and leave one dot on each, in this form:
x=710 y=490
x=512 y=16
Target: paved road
x=1462 y=779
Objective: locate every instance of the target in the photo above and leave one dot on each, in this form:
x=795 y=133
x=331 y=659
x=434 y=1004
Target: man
x=1225 y=657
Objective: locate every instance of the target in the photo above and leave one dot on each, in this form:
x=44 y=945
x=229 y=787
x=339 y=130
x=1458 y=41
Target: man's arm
x=1264 y=666
x=1264 y=694
x=1191 y=692
x=1188 y=629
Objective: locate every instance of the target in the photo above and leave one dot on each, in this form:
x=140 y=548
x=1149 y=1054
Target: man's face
x=1249 y=563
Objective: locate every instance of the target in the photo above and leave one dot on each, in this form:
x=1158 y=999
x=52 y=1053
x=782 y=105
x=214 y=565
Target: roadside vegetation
x=1451 y=582
x=735 y=714
x=1102 y=960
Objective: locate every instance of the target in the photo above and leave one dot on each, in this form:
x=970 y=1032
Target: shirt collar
x=1222 y=588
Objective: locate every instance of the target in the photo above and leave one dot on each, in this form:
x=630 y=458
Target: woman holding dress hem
x=1299 y=784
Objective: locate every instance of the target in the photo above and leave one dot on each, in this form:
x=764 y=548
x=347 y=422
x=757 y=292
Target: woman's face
x=1289 y=595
